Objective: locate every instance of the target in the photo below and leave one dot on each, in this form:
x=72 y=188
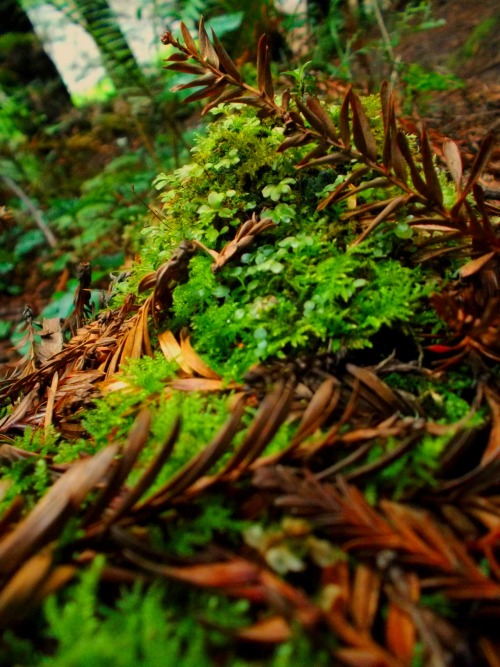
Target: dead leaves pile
x=434 y=539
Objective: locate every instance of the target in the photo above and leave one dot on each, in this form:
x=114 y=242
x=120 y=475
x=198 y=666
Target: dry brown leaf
x=17 y=596
x=226 y=575
x=320 y=407
x=202 y=384
x=476 y=265
x=364 y=657
x=365 y=597
x=51 y=513
x=400 y=630
x=364 y=651
x=172 y=351
x=193 y=359
x=49 y=409
x=453 y=159
x=274 y=630
x=378 y=387
x=51 y=339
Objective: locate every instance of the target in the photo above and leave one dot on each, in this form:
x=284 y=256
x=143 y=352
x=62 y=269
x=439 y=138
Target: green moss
x=202 y=415
x=149 y=374
x=416 y=468
x=208 y=521
x=28 y=478
x=161 y=624
x=112 y=417
x=271 y=304
x=445 y=400
x=297 y=287
x=235 y=170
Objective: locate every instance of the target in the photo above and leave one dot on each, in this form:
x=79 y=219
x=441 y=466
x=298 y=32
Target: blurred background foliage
x=77 y=165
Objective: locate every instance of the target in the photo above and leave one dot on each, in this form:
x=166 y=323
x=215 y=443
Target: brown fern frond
x=353 y=139
x=474 y=324
x=343 y=512
x=219 y=76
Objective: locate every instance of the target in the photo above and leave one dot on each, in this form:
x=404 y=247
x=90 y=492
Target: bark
x=100 y=22
x=26 y=66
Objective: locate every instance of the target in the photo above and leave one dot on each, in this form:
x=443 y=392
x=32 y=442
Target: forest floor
x=393 y=464
x=467 y=45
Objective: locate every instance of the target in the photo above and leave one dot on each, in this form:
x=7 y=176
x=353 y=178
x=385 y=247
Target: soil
x=468 y=45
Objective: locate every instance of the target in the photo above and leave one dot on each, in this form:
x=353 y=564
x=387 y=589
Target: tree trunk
x=100 y=22
x=25 y=65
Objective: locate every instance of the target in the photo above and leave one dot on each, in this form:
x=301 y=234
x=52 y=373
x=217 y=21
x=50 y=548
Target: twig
x=383 y=30
x=37 y=216
x=395 y=60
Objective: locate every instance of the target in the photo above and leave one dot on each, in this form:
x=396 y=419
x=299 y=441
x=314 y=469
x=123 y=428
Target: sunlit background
x=76 y=54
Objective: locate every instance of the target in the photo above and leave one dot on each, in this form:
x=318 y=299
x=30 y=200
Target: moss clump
x=297 y=288
x=155 y=625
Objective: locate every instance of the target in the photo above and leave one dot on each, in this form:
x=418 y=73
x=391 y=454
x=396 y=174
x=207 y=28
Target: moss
x=214 y=519
x=162 y=624
x=269 y=305
x=28 y=478
x=445 y=400
x=297 y=287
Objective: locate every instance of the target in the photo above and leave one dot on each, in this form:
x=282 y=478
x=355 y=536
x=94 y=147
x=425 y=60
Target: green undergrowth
x=299 y=289
x=298 y=286
x=202 y=415
x=217 y=520
x=157 y=625
x=110 y=419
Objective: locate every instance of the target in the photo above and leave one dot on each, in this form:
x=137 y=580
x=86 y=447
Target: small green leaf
x=276 y=191
x=215 y=199
x=221 y=292
x=403 y=230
